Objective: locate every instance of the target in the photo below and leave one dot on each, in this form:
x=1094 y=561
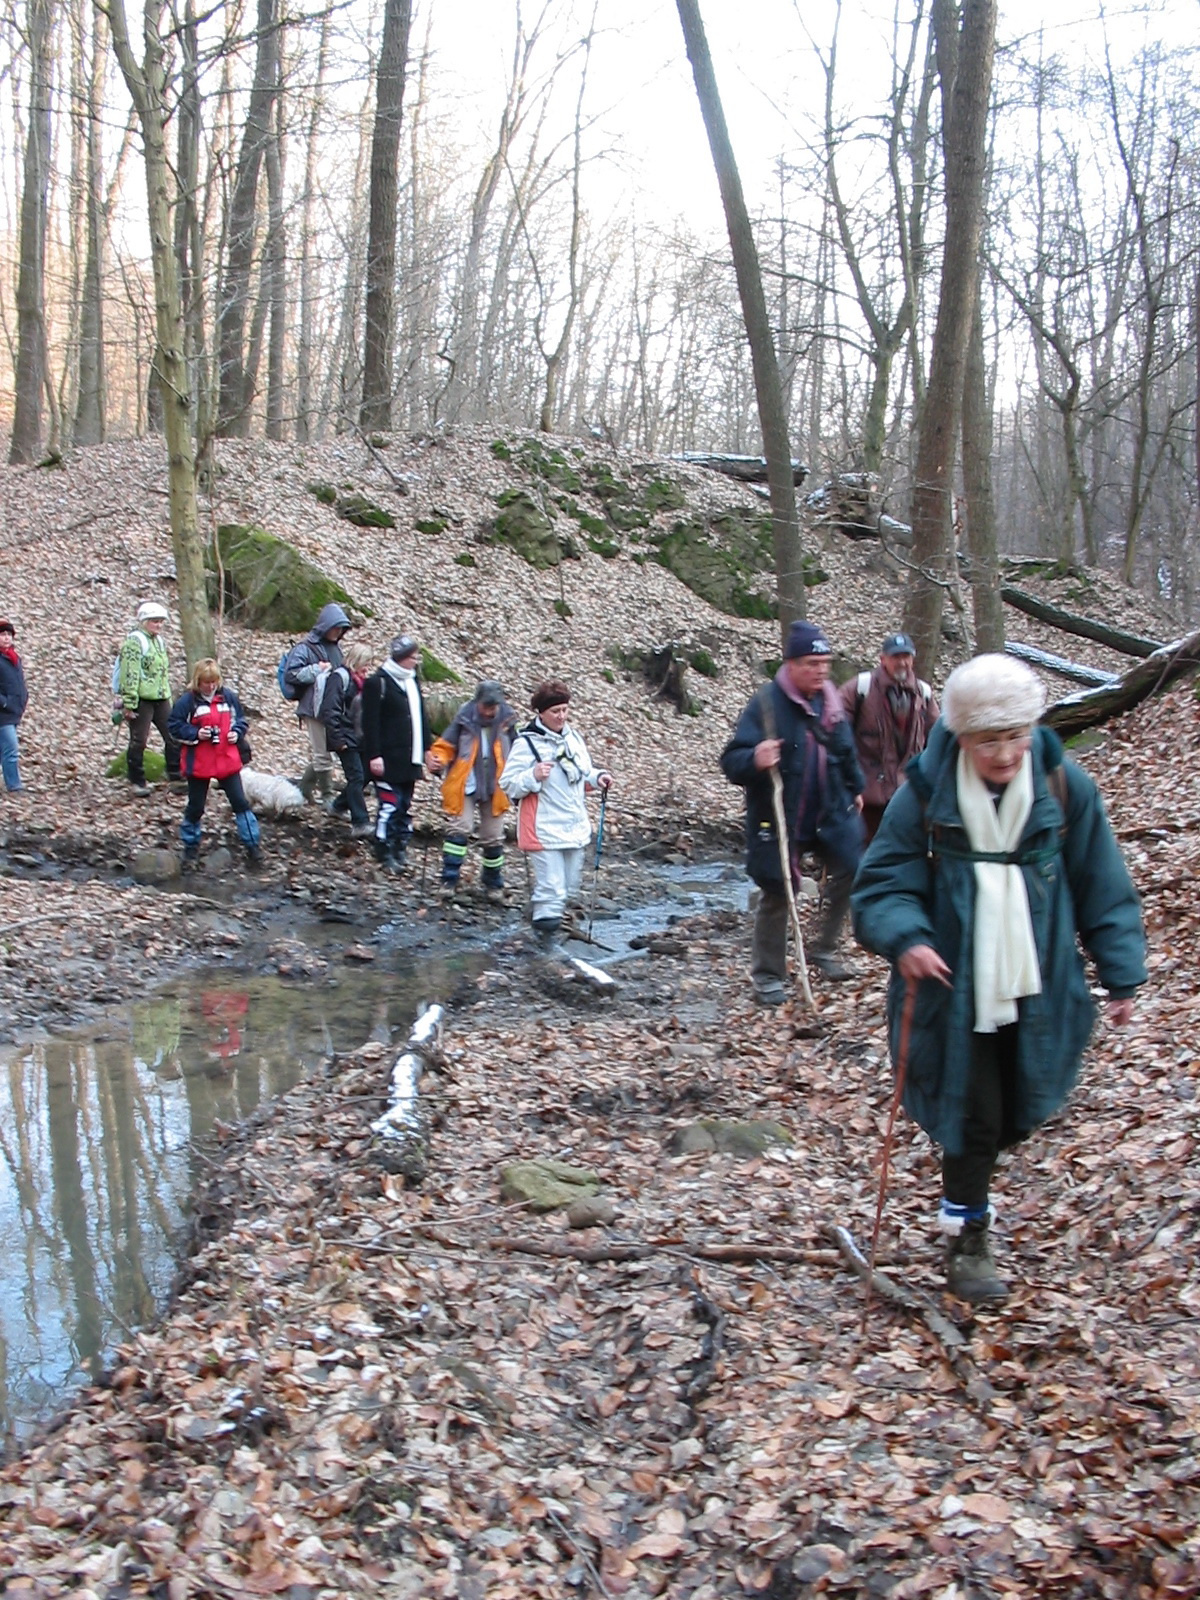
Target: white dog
x=271 y=796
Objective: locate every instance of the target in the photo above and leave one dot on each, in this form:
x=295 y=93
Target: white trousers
x=322 y=756
x=556 y=877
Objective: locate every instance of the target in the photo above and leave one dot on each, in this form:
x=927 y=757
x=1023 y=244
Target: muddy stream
x=103 y=1127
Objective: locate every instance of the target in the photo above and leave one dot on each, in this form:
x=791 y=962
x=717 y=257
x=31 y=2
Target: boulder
x=595 y=1212
x=729 y=1137
x=268 y=584
x=155 y=866
x=546 y=1185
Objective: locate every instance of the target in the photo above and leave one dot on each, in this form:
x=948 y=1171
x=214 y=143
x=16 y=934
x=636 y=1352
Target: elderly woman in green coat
x=992 y=864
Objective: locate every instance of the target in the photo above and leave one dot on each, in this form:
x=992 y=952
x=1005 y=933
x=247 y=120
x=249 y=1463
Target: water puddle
x=101 y=1142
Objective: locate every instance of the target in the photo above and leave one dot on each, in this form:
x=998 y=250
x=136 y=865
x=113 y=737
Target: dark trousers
x=198 y=795
x=352 y=798
x=150 y=712
x=989 y=1126
x=768 y=956
x=872 y=816
x=394 y=822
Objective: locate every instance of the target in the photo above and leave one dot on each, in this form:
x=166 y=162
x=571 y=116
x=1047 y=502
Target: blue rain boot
x=250 y=834
x=189 y=833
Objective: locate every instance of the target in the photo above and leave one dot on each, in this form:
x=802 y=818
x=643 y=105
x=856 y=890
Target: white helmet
x=151 y=611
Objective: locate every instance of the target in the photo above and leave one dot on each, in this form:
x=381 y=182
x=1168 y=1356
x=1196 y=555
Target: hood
x=330 y=616
x=505 y=715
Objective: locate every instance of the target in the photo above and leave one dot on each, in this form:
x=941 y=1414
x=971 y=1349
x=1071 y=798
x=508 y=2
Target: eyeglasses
x=1020 y=740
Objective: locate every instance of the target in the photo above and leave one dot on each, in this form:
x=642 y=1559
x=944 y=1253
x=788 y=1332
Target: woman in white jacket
x=548 y=774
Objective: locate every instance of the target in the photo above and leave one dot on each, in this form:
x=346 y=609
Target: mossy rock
x=441 y=708
x=724 y=561
x=608 y=549
x=546 y=1185
x=362 y=512
x=435 y=671
x=562 y=609
x=596 y=526
x=324 y=492
x=464 y=558
x=501 y=449
x=432 y=525
x=524 y=527
x=270 y=585
x=743 y=1139
x=155 y=765
x=700 y=661
x=663 y=494
x=549 y=464
x=812 y=571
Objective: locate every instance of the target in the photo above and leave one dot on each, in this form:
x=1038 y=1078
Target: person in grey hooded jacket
x=306 y=675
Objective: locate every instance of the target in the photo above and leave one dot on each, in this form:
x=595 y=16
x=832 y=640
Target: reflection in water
x=96 y=1161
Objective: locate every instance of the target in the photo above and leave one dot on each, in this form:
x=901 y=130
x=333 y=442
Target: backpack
x=863 y=683
x=116 y=667
x=285 y=688
x=1056 y=783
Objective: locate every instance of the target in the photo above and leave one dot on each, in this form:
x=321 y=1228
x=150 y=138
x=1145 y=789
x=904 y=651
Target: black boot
x=549 y=934
x=970 y=1268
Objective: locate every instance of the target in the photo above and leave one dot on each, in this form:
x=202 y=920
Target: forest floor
x=367 y=1388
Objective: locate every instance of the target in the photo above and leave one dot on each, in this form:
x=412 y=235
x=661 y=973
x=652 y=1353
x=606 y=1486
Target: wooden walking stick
x=906 y=1017
x=785 y=854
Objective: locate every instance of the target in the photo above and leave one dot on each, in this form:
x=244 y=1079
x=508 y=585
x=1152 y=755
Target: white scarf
x=1006 y=963
x=406 y=678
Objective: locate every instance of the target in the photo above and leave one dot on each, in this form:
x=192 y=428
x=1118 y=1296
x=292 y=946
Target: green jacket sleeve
x=1108 y=914
x=893 y=891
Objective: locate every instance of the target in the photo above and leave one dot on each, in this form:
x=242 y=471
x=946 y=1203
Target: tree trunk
x=30 y=374
x=147 y=84
x=1150 y=677
x=234 y=402
x=984 y=568
x=306 y=344
x=1129 y=644
x=376 y=408
x=966 y=72
x=275 y=275
x=785 y=527
x=92 y=403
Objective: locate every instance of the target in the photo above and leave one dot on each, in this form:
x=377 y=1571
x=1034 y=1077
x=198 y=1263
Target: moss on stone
x=501 y=449
x=432 y=525
x=524 y=527
x=562 y=609
x=607 y=548
x=700 y=661
x=435 y=671
x=464 y=558
x=324 y=492
x=362 y=512
x=269 y=584
x=663 y=494
x=724 y=561
x=155 y=764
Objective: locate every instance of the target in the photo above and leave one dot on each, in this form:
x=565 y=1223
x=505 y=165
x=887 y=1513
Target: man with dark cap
x=796 y=724
x=395 y=739
x=306 y=676
x=891 y=711
x=469 y=758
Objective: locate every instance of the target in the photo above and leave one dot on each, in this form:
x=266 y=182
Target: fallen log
x=1090 y=707
x=1129 y=644
x=1075 y=671
x=746 y=469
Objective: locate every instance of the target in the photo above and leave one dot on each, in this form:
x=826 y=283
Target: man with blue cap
x=796 y=723
x=891 y=711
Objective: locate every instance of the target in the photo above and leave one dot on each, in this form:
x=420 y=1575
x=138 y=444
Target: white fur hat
x=989 y=693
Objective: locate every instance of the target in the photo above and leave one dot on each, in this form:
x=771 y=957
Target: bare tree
x=785 y=527
x=148 y=82
x=30 y=376
x=376 y=408
x=92 y=404
x=965 y=44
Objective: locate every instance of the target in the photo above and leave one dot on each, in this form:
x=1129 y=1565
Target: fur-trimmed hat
x=151 y=611
x=990 y=693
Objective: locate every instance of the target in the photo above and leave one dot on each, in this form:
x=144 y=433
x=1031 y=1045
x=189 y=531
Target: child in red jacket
x=208 y=722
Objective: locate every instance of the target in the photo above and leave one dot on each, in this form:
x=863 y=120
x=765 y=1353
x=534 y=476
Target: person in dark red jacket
x=208 y=723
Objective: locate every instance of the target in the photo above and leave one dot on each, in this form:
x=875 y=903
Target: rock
x=596 y=1212
x=546 y=1185
x=218 y=860
x=269 y=585
x=155 y=866
x=750 y=1138
x=358 y=952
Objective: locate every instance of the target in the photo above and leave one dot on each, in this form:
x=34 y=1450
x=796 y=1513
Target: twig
x=640 y=1251
x=593 y=1570
x=899 y=1294
x=704 y=1368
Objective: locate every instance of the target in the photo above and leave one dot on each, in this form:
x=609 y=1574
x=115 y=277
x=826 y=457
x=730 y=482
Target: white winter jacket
x=551 y=815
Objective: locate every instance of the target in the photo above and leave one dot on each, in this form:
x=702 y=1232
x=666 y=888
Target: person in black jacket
x=341 y=712
x=796 y=723
x=395 y=739
x=14 y=697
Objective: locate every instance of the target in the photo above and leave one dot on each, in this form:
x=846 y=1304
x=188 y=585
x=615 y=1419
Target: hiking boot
x=828 y=965
x=253 y=857
x=769 y=992
x=139 y=788
x=970 y=1269
x=362 y=830
x=548 y=931
x=308 y=782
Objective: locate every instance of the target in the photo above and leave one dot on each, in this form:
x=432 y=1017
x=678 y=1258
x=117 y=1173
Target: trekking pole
x=596 y=863
x=789 y=888
x=906 y=1017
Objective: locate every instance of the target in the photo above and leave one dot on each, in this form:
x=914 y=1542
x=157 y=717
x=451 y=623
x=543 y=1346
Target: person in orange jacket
x=469 y=757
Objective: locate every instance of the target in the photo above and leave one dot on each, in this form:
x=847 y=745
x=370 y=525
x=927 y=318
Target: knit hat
x=404 y=645
x=151 y=611
x=806 y=639
x=490 y=692
x=553 y=692
x=7 y=627
x=990 y=693
x=897 y=644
